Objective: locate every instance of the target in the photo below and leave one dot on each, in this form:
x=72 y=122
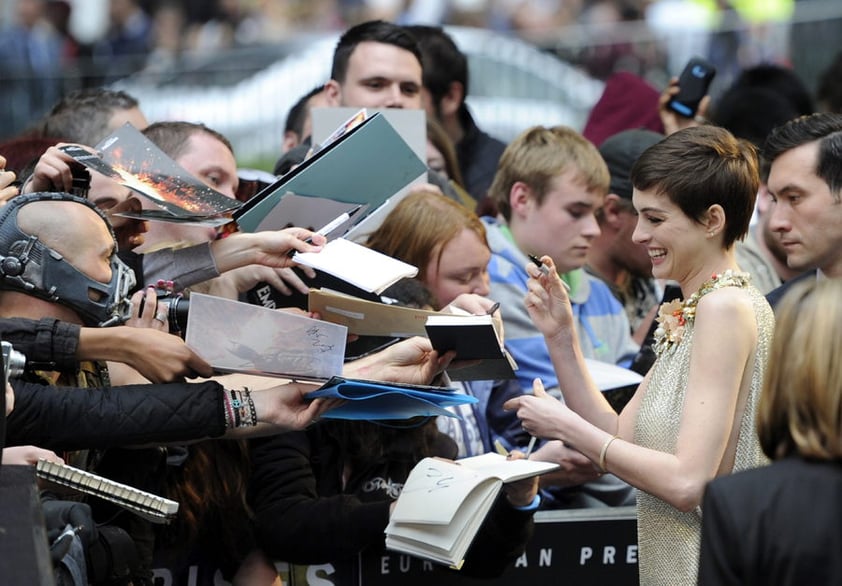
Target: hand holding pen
x=548 y=299
x=546 y=271
x=538 y=390
x=538 y=387
x=332 y=225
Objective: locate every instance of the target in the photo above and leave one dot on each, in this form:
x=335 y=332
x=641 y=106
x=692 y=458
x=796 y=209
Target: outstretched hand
x=240 y=280
x=286 y=406
x=477 y=305
x=163 y=357
x=270 y=248
x=574 y=467
x=521 y=492
x=275 y=247
x=412 y=361
x=547 y=301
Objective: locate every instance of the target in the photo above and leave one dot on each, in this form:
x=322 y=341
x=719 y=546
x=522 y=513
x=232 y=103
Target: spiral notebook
x=149 y=506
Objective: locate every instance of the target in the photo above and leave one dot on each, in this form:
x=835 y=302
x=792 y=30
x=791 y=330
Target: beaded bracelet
x=252 y=410
x=242 y=408
x=228 y=411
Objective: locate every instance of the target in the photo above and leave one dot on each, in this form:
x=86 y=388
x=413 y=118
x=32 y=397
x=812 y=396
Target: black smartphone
x=693 y=84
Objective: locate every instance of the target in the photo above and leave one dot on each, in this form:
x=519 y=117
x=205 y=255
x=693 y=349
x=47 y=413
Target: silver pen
x=331 y=226
x=530 y=446
x=543 y=268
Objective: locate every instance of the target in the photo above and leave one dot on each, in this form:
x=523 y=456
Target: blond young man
x=548 y=187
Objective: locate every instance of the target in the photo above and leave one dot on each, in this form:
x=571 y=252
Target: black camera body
x=177 y=306
x=14 y=362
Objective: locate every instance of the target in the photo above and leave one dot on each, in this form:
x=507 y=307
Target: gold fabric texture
x=668 y=540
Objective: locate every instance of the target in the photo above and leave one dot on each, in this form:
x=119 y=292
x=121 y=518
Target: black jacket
x=778 y=524
x=774 y=296
x=47 y=343
x=303 y=515
x=64 y=418
x=478 y=154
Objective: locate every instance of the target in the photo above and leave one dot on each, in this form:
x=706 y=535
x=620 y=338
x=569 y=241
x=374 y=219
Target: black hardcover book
x=473 y=338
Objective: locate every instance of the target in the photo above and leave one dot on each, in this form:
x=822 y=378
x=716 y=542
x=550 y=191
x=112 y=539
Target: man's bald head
x=75 y=231
x=58 y=252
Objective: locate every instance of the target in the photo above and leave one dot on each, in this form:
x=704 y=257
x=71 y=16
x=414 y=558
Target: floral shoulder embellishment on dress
x=674 y=316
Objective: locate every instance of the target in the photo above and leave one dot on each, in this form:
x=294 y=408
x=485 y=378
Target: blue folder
x=373 y=400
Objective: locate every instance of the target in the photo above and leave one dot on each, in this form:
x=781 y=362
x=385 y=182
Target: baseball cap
x=620 y=153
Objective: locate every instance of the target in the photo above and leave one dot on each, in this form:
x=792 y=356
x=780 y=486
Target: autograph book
x=368 y=318
x=473 y=337
x=358 y=265
x=443 y=503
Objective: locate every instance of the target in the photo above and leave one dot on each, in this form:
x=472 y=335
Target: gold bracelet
x=604 y=451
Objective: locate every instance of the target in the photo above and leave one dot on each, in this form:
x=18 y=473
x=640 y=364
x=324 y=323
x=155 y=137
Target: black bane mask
x=27 y=265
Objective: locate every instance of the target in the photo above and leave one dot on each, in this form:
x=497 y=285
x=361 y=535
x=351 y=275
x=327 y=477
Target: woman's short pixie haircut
x=699 y=167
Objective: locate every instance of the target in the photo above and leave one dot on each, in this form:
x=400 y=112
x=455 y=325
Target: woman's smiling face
x=672 y=239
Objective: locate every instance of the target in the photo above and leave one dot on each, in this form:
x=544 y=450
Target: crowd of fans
x=630 y=243
x=48 y=48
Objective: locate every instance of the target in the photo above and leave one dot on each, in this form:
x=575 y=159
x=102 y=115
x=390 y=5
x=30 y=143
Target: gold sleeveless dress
x=668 y=540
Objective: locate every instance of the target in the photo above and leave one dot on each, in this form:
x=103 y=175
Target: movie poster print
x=131 y=159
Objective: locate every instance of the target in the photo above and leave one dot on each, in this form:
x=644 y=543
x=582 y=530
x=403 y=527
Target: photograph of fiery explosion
x=131 y=159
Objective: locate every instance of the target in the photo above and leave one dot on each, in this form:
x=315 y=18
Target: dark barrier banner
x=580 y=547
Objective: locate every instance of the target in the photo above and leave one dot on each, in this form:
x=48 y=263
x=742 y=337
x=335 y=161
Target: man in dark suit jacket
x=805 y=182
x=761 y=526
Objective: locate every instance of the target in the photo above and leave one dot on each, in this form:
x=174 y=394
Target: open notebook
x=443 y=503
x=358 y=265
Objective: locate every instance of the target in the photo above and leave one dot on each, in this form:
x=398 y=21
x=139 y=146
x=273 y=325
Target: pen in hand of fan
x=331 y=226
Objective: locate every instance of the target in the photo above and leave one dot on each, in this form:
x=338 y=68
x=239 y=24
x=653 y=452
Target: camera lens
x=177 y=314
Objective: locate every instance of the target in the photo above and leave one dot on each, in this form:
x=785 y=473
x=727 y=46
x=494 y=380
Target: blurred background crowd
x=238 y=65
